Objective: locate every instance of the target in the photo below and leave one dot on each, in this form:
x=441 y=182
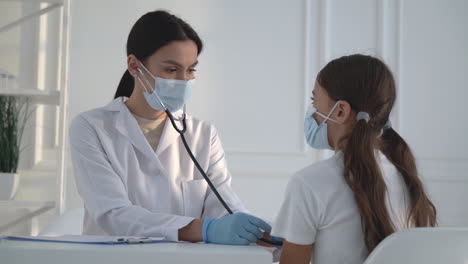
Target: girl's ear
x=343 y=112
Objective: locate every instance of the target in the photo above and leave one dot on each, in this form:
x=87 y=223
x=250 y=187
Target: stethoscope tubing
x=200 y=169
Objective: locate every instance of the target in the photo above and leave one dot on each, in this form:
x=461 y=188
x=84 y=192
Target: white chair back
x=423 y=245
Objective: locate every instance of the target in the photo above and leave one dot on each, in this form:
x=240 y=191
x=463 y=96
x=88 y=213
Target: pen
x=135 y=240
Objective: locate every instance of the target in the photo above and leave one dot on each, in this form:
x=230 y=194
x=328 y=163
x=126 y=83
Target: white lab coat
x=128 y=189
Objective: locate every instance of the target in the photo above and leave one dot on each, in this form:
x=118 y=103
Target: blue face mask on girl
x=317 y=135
x=167 y=93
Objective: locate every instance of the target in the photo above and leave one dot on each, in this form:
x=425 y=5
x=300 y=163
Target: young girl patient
x=339 y=209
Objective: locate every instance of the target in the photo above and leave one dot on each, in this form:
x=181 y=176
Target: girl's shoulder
x=328 y=171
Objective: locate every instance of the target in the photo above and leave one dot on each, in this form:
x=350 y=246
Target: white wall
x=433 y=72
x=258 y=69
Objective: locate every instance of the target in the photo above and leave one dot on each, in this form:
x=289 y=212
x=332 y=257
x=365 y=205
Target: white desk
x=27 y=252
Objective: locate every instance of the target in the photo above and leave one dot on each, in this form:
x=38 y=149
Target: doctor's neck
x=138 y=106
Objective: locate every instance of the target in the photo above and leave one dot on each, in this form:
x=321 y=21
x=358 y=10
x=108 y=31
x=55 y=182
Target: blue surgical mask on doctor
x=172 y=93
x=315 y=134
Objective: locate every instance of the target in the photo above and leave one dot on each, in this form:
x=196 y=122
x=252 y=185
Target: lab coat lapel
x=169 y=135
x=126 y=124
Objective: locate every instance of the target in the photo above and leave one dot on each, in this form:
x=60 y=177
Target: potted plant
x=14 y=112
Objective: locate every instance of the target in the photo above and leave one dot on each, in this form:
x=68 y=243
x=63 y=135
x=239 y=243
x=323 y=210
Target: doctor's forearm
x=192 y=232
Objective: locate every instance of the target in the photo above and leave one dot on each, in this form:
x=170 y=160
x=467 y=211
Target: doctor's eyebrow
x=178 y=64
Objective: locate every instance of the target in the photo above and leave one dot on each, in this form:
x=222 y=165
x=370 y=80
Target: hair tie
x=363 y=115
x=388 y=124
x=385 y=127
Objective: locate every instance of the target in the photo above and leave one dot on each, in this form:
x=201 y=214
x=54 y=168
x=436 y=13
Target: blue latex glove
x=235 y=229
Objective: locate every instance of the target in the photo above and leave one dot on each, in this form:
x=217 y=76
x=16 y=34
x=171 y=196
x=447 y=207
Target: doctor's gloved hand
x=235 y=229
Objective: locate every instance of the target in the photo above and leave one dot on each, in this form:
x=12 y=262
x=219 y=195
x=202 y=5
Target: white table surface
x=30 y=252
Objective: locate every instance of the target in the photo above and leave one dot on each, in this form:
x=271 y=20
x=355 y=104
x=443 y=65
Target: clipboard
x=88 y=239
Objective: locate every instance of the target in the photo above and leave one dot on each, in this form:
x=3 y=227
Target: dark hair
x=151 y=32
x=367 y=85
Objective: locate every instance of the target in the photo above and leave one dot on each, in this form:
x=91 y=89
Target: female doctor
x=131 y=168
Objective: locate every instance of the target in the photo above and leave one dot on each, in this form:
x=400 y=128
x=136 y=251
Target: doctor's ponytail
x=368 y=86
x=151 y=32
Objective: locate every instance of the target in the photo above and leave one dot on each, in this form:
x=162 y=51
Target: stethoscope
x=189 y=151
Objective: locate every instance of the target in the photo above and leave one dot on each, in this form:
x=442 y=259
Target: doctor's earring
x=133 y=74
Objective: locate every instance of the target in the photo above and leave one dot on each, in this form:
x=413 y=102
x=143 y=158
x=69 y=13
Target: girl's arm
x=295 y=253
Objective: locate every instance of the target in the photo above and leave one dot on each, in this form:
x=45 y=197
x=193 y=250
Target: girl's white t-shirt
x=319 y=208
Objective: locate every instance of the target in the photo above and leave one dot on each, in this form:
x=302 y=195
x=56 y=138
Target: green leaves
x=14 y=112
